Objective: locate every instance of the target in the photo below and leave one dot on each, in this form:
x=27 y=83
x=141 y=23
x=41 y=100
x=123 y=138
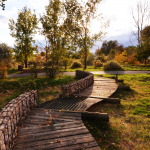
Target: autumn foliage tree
x=121 y=57
x=23 y=31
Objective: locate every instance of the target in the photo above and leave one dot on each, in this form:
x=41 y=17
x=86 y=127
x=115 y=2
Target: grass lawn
x=129 y=122
x=89 y=68
x=48 y=88
x=125 y=67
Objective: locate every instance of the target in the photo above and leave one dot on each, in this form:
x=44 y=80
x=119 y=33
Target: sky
x=116 y=11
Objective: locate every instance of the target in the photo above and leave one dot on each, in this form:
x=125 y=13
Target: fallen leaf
x=46 y=122
x=56 y=116
x=39 y=124
x=33 y=136
x=99 y=140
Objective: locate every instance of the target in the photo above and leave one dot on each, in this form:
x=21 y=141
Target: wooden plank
x=40 y=112
x=37 y=129
x=47 y=117
x=54 y=144
x=37 y=142
x=82 y=146
x=42 y=123
x=55 y=132
x=79 y=146
x=51 y=135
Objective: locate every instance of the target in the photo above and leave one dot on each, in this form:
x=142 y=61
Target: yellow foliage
x=121 y=58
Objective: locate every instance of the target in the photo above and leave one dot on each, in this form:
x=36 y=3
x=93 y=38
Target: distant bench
x=86 y=79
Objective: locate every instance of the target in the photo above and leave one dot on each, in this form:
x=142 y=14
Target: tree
x=98 y=53
x=5 y=51
x=146 y=34
x=143 y=51
x=111 y=54
x=120 y=48
x=107 y=46
x=90 y=59
x=51 y=29
x=89 y=44
x=88 y=13
x=121 y=57
x=23 y=31
x=2 y=4
x=143 y=48
x=142 y=10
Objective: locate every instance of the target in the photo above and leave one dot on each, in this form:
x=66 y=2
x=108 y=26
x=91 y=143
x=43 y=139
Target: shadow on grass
x=106 y=136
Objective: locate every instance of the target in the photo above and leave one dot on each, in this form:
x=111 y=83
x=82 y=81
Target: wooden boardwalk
x=45 y=129
x=54 y=130
x=102 y=88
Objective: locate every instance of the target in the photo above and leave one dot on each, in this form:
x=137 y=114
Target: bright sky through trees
x=117 y=11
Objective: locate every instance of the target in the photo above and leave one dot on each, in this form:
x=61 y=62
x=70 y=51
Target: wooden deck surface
x=102 y=88
x=65 y=132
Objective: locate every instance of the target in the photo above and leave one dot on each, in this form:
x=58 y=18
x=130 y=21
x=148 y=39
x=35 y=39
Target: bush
x=111 y=65
x=3 y=71
x=97 y=63
x=76 y=64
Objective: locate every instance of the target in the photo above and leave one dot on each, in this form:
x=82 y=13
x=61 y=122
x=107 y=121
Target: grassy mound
x=76 y=64
x=110 y=65
x=97 y=63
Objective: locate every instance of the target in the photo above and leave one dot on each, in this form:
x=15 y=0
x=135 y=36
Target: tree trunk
x=65 y=66
x=25 y=61
x=145 y=61
x=85 y=50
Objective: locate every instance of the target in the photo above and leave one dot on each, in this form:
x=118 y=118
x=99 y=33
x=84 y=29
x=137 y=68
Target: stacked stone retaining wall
x=10 y=116
x=86 y=79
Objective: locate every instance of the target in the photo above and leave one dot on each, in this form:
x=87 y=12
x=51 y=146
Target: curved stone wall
x=86 y=79
x=10 y=116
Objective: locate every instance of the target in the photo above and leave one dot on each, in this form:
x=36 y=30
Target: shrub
x=76 y=64
x=132 y=60
x=97 y=63
x=111 y=65
x=3 y=71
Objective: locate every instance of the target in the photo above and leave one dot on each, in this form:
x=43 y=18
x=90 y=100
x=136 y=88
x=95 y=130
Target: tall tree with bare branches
x=140 y=17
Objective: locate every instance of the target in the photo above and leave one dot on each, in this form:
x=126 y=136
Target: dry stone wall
x=10 y=116
x=86 y=79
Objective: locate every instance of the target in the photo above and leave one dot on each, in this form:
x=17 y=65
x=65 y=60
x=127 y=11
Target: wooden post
x=117 y=77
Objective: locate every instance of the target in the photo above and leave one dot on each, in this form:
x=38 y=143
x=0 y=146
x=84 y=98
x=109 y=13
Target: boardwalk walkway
x=102 y=88
x=49 y=129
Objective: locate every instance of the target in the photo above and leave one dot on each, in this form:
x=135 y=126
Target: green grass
x=13 y=71
x=48 y=88
x=124 y=67
x=91 y=68
x=129 y=122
